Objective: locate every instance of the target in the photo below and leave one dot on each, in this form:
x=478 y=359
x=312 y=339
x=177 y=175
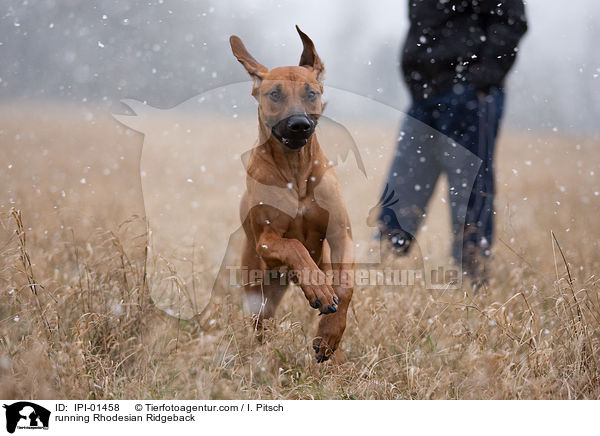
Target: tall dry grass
x=76 y=319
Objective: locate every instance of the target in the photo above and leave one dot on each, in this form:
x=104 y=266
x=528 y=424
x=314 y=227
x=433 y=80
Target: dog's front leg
x=338 y=256
x=275 y=249
x=340 y=260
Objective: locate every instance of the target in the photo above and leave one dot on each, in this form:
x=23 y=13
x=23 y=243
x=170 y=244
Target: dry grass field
x=77 y=322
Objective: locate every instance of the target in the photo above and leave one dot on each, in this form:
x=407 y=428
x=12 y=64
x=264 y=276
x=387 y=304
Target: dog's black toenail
x=335 y=300
x=332 y=308
x=333 y=349
x=316 y=348
x=316 y=304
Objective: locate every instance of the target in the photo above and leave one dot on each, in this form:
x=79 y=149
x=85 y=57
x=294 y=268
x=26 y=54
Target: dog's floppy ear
x=309 y=57
x=256 y=70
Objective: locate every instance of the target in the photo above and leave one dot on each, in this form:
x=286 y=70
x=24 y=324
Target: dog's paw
x=321 y=297
x=319 y=292
x=324 y=348
x=328 y=337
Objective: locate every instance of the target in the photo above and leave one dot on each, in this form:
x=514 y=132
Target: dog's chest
x=309 y=210
x=309 y=219
x=306 y=208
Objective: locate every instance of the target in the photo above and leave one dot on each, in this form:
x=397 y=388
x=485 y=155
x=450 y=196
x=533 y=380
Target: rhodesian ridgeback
x=294 y=216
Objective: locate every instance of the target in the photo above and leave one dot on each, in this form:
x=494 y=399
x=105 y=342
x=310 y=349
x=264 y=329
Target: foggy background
x=164 y=52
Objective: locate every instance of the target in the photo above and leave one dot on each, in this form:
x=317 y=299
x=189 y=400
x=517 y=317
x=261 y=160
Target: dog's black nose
x=299 y=124
x=294 y=131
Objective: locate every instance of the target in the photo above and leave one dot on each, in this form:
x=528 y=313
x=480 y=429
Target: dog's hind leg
x=264 y=288
x=263 y=300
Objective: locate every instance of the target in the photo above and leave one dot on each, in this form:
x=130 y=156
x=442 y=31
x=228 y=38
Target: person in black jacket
x=455 y=60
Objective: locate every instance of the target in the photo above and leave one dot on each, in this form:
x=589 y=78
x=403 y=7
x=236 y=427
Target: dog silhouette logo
x=193 y=175
x=26 y=415
x=193 y=172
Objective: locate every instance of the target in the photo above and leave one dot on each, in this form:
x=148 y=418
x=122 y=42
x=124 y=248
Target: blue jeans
x=453 y=133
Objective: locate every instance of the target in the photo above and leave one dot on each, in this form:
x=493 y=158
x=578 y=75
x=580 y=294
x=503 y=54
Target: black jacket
x=452 y=41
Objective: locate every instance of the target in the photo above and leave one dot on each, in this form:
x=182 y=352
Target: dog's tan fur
x=318 y=238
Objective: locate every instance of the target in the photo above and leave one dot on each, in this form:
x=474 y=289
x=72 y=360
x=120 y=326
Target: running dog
x=293 y=213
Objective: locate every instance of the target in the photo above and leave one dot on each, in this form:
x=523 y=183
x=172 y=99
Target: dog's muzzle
x=295 y=130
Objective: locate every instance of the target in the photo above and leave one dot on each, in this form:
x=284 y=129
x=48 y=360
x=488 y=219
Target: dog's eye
x=275 y=95
x=311 y=95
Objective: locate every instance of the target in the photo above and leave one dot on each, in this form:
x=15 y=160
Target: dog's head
x=289 y=98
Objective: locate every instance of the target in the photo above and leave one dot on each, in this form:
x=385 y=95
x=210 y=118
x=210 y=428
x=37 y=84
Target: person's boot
x=397 y=240
x=475 y=266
